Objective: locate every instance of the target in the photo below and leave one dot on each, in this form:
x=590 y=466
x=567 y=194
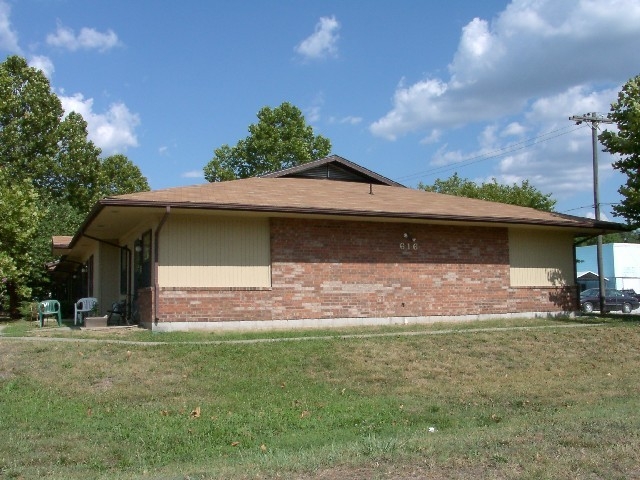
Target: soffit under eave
x=116 y=218
x=585 y=229
x=58 y=252
x=115 y=222
x=81 y=250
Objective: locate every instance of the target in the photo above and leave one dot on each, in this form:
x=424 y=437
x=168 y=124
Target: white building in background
x=620 y=262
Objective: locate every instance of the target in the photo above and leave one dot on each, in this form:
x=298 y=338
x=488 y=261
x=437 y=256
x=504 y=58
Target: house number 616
x=408 y=246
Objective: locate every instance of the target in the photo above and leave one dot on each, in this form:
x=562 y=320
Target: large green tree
x=38 y=142
x=280 y=139
x=119 y=175
x=21 y=214
x=52 y=174
x=625 y=142
x=524 y=194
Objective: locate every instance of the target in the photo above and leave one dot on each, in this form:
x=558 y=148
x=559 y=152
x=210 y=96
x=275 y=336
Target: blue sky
x=414 y=90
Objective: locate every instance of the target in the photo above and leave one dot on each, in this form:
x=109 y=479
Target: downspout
x=156 y=256
x=128 y=308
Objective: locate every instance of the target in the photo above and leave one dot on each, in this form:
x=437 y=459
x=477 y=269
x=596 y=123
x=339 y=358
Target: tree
x=119 y=175
x=38 y=142
x=29 y=120
x=524 y=195
x=52 y=175
x=21 y=216
x=625 y=112
x=620 y=237
x=75 y=176
x=281 y=139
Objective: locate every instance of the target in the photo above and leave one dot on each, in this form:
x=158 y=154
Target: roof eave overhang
x=97 y=208
x=590 y=227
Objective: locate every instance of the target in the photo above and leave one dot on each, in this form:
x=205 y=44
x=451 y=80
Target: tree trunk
x=14 y=300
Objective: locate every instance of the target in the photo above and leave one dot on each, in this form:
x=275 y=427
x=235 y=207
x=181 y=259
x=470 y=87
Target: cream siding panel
x=540 y=258
x=201 y=251
x=108 y=268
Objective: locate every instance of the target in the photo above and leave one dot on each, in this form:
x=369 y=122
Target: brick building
x=327 y=243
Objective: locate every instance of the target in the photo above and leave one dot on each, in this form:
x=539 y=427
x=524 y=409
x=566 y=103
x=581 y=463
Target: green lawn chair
x=49 y=307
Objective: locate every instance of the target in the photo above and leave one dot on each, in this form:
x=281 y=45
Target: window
x=142 y=261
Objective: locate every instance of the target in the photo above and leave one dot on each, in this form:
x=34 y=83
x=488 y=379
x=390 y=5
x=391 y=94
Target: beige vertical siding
x=107 y=282
x=540 y=258
x=203 y=251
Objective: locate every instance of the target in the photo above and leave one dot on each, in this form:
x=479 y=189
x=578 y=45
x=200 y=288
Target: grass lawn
x=448 y=401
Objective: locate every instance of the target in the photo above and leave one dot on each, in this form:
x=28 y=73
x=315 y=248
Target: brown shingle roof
x=61 y=241
x=312 y=196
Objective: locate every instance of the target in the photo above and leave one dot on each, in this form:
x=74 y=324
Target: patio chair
x=49 y=307
x=119 y=309
x=83 y=307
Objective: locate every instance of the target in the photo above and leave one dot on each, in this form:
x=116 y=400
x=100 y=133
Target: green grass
x=27 y=328
x=545 y=403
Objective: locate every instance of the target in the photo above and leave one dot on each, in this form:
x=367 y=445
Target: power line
x=588 y=206
x=500 y=152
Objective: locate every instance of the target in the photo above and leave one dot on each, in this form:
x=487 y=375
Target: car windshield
x=590 y=292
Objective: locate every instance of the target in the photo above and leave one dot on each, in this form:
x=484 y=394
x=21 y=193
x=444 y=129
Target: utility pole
x=593 y=119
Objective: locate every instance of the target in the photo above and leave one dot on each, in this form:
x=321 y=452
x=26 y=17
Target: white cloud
x=351 y=120
x=193 y=174
x=433 y=137
x=87 y=39
x=603 y=216
x=8 y=37
x=43 y=63
x=556 y=155
x=562 y=166
x=514 y=129
x=348 y=120
x=313 y=113
x=323 y=42
x=531 y=49
x=414 y=106
x=112 y=131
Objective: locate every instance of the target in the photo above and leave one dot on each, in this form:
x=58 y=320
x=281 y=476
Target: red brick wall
x=332 y=269
x=145 y=305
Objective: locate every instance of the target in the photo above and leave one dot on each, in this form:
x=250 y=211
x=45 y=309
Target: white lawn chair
x=82 y=307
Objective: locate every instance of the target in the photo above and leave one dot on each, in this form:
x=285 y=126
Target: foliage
x=29 y=121
x=21 y=214
x=524 y=195
x=119 y=175
x=60 y=171
x=620 y=237
x=37 y=142
x=625 y=112
x=281 y=139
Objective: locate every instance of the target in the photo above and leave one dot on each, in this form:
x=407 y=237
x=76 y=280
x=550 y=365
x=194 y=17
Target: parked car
x=631 y=292
x=614 y=300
